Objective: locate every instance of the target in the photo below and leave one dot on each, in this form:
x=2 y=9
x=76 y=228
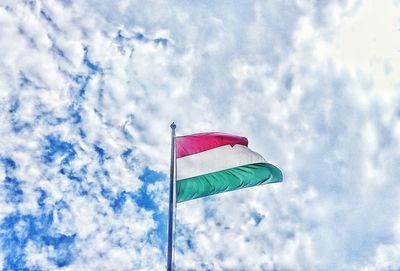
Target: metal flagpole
x=172 y=203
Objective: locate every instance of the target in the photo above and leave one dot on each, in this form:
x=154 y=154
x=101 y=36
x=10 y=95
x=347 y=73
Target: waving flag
x=212 y=163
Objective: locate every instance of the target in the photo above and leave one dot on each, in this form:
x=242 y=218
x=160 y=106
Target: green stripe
x=227 y=180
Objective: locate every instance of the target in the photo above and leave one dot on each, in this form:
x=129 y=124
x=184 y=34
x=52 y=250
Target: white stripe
x=216 y=159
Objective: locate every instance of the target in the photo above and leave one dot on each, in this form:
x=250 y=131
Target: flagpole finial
x=173 y=125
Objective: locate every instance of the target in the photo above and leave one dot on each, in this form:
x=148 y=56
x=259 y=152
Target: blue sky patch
x=93 y=68
x=55 y=147
x=17 y=229
x=14 y=193
x=101 y=153
x=9 y=165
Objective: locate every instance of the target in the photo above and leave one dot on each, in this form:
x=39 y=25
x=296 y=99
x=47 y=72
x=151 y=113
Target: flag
x=212 y=163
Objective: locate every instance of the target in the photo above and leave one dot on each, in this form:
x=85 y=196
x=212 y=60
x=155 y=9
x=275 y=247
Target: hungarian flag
x=212 y=163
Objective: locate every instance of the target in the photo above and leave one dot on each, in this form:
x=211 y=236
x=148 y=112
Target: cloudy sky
x=88 y=90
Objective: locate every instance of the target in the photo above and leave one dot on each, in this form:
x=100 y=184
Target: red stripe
x=191 y=144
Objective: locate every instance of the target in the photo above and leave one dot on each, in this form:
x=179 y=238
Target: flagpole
x=172 y=203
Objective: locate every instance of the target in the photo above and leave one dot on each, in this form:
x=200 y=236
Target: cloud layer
x=87 y=92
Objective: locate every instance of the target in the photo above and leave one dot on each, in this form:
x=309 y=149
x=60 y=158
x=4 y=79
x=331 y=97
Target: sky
x=89 y=88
